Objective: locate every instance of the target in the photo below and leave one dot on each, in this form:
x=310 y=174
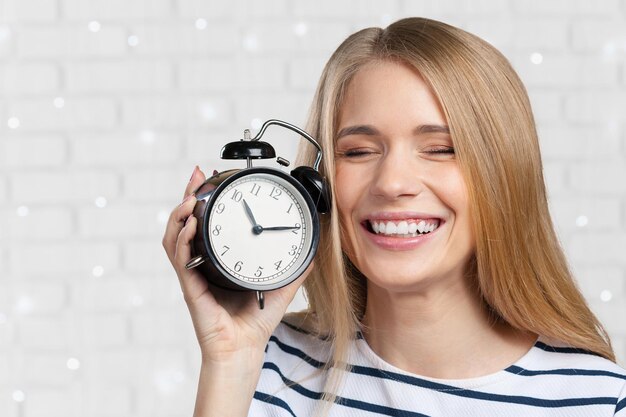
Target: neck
x=444 y=332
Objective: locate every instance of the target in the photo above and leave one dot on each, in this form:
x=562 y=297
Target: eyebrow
x=372 y=131
x=432 y=129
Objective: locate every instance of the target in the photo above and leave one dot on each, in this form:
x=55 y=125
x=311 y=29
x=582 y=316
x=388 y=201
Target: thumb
x=287 y=293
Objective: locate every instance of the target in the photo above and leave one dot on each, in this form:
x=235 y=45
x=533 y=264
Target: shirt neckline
x=364 y=350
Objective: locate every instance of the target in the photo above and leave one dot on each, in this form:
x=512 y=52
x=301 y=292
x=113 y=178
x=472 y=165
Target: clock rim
x=315 y=230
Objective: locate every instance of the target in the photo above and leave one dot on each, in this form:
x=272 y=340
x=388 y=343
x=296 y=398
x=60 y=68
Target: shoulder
x=562 y=372
x=550 y=354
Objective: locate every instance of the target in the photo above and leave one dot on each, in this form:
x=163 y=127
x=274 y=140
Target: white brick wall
x=107 y=105
x=71 y=40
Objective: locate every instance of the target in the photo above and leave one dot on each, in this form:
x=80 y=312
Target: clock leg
x=260 y=298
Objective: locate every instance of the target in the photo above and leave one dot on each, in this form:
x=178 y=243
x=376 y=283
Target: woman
x=439 y=287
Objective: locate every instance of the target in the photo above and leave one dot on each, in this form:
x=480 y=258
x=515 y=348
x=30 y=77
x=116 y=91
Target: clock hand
x=281 y=228
x=249 y=213
x=257 y=229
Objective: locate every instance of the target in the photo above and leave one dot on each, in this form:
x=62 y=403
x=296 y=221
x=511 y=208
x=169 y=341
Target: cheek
x=458 y=200
x=453 y=191
x=344 y=192
x=346 y=196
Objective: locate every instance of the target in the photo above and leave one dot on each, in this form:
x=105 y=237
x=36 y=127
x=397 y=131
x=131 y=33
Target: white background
x=107 y=105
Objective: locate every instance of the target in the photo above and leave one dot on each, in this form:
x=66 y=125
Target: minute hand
x=281 y=228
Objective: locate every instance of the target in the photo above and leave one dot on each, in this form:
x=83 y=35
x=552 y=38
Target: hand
x=228 y=324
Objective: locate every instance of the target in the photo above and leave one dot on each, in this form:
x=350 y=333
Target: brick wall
x=107 y=105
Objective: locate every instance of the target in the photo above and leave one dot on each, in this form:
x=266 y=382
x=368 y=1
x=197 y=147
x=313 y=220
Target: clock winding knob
x=195 y=261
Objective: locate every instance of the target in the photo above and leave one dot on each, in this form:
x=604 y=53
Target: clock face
x=260 y=230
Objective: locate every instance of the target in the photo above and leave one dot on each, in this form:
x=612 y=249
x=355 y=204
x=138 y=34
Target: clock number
x=277 y=264
x=258 y=272
x=236 y=195
x=293 y=250
x=275 y=193
x=255 y=189
x=289 y=209
x=216 y=230
x=238 y=266
x=220 y=208
x=227 y=249
x=295 y=231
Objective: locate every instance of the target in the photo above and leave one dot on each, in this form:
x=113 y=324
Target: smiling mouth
x=402 y=228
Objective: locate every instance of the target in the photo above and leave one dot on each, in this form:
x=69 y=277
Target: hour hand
x=249 y=213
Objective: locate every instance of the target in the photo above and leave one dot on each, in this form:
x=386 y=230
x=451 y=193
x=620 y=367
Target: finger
x=175 y=224
x=277 y=301
x=191 y=281
x=196 y=180
x=288 y=292
x=178 y=215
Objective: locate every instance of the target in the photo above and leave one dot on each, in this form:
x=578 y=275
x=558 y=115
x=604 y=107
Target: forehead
x=389 y=91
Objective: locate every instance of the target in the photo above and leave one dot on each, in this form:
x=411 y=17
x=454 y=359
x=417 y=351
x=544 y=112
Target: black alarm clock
x=258 y=227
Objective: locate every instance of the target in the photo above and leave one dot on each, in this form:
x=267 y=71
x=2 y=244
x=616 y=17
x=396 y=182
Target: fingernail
x=193 y=173
x=215 y=172
x=188 y=218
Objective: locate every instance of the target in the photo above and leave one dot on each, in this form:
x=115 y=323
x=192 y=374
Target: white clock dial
x=266 y=242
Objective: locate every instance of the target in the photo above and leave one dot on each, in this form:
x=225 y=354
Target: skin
x=395 y=161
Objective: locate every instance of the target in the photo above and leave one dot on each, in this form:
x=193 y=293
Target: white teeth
x=404 y=228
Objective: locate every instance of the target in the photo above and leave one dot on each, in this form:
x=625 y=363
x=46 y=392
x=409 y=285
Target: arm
x=226 y=388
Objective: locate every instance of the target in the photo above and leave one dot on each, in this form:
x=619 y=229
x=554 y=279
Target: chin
x=394 y=282
x=411 y=278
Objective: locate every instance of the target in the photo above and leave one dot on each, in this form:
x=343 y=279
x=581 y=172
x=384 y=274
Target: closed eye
x=441 y=150
x=355 y=153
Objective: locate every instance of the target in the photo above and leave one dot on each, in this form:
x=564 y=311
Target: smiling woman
x=439 y=287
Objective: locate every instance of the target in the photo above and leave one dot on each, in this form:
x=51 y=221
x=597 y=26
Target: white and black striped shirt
x=550 y=380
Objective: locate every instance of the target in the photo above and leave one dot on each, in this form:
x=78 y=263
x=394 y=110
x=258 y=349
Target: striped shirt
x=550 y=380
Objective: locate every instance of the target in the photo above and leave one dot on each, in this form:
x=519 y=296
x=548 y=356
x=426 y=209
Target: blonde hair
x=519 y=266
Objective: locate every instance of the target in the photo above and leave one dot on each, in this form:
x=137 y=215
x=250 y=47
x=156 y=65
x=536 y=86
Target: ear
x=316 y=186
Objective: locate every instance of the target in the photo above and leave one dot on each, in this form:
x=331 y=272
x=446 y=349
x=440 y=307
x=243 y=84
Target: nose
x=396 y=176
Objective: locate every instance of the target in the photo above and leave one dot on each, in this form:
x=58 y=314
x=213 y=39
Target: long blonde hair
x=519 y=265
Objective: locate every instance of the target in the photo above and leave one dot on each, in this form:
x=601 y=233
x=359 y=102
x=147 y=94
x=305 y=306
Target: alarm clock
x=258 y=227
